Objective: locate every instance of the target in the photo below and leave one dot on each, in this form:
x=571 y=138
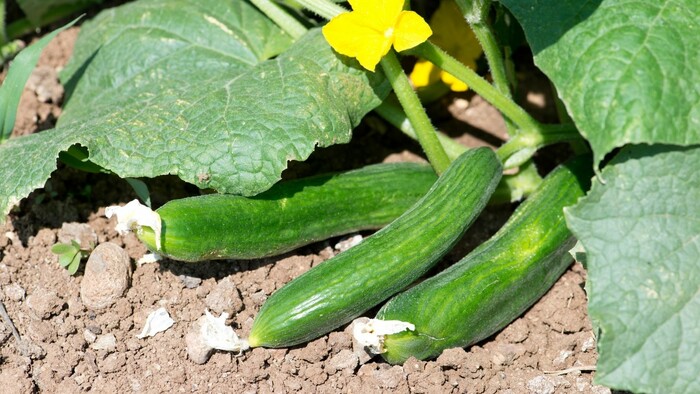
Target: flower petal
x=455 y=84
x=381 y=15
x=411 y=30
x=349 y=35
x=424 y=73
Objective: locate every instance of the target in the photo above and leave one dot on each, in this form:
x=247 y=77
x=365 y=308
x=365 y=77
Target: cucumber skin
x=340 y=289
x=289 y=215
x=496 y=282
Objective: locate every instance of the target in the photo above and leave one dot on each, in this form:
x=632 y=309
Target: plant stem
x=3 y=23
x=415 y=112
x=481 y=86
x=391 y=111
x=323 y=8
x=524 y=144
x=285 y=21
x=484 y=34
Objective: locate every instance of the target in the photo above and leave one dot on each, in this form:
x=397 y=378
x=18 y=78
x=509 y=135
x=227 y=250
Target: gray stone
x=107 y=276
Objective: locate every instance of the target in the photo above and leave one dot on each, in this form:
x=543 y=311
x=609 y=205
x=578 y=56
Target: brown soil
x=67 y=347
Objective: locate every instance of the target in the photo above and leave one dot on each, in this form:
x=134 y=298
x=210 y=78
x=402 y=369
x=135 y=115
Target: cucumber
x=289 y=215
x=496 y=282
x=338 y=290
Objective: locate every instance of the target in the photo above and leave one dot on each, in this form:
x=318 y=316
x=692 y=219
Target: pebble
x=197 y=349
x=14 y=292
x=190 y=282
x=540 y=385
x=107 y=342
x=89 y=336
x=107 y=276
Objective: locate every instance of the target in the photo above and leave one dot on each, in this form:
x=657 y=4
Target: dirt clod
x=44 y=303
x=107 y=275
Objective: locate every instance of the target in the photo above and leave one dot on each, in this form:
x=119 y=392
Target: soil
x=71 y=343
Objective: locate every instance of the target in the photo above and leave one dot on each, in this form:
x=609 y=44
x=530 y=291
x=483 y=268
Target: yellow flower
x=452 y=33
x=368 y=32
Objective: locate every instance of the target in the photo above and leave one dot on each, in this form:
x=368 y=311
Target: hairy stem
x=285 y=21
x=416 y=114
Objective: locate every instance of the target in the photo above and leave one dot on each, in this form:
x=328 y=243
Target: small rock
x=89 y=336
x=540 y=385
x=588 y=344
x=197 y=349
x=44 y=303
x=79 y=232
x=107 y=342
x=14 y=292
x=224 y=298
x=560 y=360
x=107 y=276
x=190 y=282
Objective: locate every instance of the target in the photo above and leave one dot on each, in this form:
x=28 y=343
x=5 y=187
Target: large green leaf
x=641 y=233
x=182 y=87
x=627 y=71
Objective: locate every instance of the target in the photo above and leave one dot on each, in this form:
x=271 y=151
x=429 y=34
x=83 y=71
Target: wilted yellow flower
x=368 y=32
x=452 y=34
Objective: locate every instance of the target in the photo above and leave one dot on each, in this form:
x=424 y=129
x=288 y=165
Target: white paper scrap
x=157 y=321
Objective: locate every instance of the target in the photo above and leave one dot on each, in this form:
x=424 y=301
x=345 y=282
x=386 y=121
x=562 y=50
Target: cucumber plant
x=496 y=282
x=269 y=86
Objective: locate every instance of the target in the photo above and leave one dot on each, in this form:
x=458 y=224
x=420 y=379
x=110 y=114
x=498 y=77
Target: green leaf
x=42 y=12
x=183 y=87
x=641 y=233
x=141 y=190
x=63 y=249
x=74 y=264
x=20 y=70
x=626 y=70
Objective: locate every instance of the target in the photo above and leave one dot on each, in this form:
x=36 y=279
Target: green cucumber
x=289 y=215
x=338 y=290
x=496 y=282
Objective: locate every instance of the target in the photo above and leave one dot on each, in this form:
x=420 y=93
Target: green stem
x=323 y=8
x=484 y=34
x=523 y=145
x=508 y=107
x=285 y=21
x=415 y=112
x=391 y=111
x=3 y=24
